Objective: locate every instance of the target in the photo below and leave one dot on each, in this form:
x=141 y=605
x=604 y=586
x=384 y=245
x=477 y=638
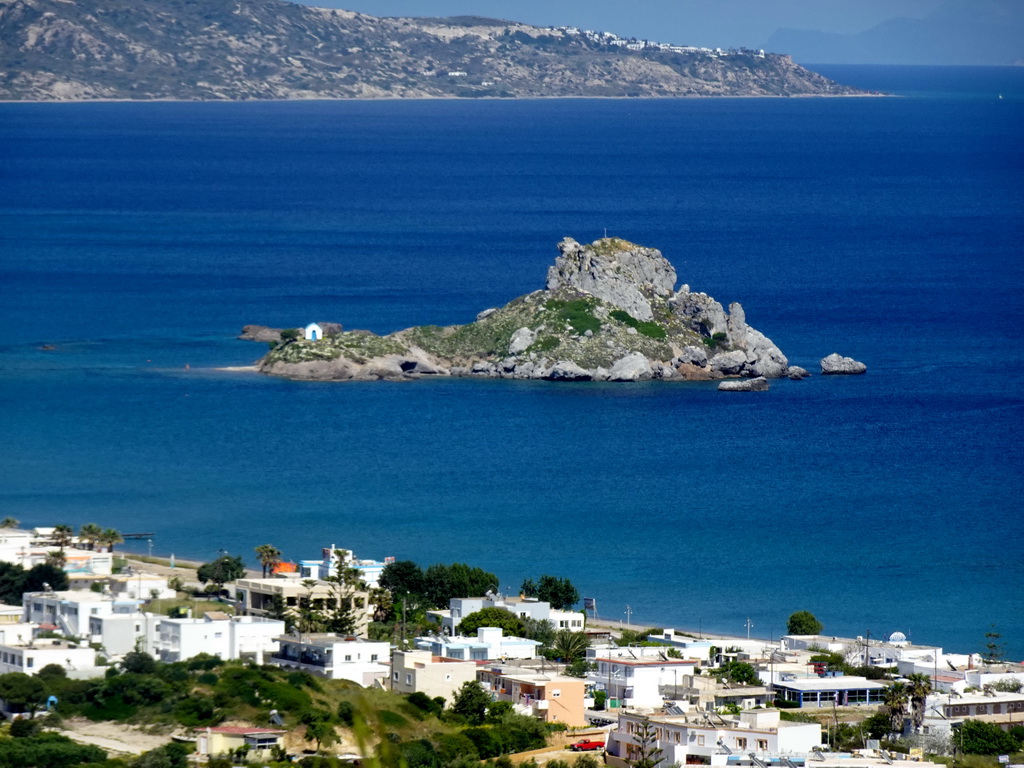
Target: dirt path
x=113 y=737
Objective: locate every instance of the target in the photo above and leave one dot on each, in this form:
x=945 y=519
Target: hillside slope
x=269 y=49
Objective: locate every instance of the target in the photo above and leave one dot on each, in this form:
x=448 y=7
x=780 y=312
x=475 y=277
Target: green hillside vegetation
x=413 y=731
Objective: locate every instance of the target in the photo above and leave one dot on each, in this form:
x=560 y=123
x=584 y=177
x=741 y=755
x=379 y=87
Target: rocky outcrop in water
x=609 y=311
x=760 y=384
x=837 y=365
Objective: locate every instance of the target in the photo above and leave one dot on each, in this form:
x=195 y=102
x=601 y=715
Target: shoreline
x=456 y=98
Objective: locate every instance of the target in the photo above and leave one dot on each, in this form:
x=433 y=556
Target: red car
x=586 y=746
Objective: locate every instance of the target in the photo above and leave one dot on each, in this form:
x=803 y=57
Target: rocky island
x=609 y=311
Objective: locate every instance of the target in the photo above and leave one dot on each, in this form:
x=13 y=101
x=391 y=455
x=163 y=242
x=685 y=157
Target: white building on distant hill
x=489 y=643
x=522 y=607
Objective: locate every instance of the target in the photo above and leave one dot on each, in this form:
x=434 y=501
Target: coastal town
x=528 y=677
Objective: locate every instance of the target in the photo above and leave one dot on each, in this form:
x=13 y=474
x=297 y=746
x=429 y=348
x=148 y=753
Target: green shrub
x=578 y=313
x=649 y=329
x=545 y=344
x=346 y=713
x=392 y=719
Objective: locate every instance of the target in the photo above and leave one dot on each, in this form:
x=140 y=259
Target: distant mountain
x=269 y=49
x=959 y=32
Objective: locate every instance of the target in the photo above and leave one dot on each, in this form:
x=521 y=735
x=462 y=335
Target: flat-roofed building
x=336 y=657
x=423 y=672
x=841 y=691
x=549 y=697
x=684 y=742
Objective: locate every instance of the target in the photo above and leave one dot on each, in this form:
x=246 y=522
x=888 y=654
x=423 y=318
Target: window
x=700 y=741
x=30 y=661
x=373 y=657
x=762 y=745
x=408 y=679
x=394 y=676
x=741 y=743
x=348 y=657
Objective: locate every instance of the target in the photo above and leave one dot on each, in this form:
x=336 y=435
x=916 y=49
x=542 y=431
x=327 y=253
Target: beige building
x=224 y=739
x=413 y=671
x=255 y=597
x=547 y=696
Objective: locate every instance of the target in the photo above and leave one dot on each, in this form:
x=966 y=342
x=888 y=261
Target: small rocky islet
x=609 y=311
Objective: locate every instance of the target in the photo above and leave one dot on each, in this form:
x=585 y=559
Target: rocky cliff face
x=609 y=312
x=269 y=49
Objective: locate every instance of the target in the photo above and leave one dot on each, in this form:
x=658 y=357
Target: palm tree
x=109 y=538
x=920 y=685
x=62 y=536
x=90 y=533
x=569 y=646
x=269 y=556
x=56 y=558
x=895 y=700
x=10 y=522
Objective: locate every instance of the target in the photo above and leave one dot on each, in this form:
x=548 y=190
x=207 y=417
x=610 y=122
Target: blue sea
x=137 y=240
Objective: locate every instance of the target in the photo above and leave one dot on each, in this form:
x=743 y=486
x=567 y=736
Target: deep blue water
x=137 y=238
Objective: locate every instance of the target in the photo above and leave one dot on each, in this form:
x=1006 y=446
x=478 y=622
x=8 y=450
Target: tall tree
x=344 y=583
x=647 y=754
x=560 y=592
x=10 y=522
x=62 y=536
x=269 y=557
x=994 y=646
x=895 y=700
x=44 y=575
x=918 y=688
x=222 y=570
x=471 y=701
x=402 y=578
x=491 y=617
x=570 y=646
x=110 y=538
x=803 y=623
x=90 y=533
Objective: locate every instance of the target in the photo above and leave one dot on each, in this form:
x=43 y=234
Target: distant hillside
x=963 y=32
x=268 y=49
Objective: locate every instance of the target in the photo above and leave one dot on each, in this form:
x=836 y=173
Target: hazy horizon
x=822 y=31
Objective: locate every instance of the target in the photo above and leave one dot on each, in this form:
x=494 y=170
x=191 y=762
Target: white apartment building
x=32 y=655
x=218 y=634
x=867 y=651
x=69 y=611
x=489 y=643
x=121 y=633
x=761 y=732
x=336 y=657
x=638 y=680
x=522 y=607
